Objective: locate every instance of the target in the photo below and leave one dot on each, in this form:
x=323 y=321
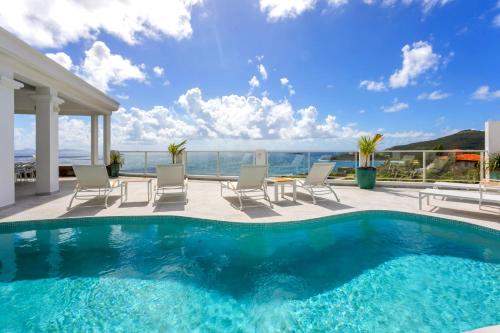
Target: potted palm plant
x=494 y=166
x=175 y=150
x=116 y=161
x=367 y=175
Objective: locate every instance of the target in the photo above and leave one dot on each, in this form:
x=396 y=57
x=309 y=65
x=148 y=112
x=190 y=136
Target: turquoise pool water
x=363 y=272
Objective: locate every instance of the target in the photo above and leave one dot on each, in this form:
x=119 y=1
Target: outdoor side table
x=124 y=187
x=283 y=181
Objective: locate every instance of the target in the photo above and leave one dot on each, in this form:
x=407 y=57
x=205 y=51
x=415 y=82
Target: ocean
x=205 y=163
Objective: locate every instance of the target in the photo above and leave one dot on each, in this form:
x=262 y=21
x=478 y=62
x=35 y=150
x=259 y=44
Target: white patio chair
x=92 y=182
x=170 y=179
x=316 y=181
x=252 y=179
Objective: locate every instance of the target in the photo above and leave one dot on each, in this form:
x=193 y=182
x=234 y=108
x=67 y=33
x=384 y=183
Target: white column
x=492 y=140
x=7 y=178
x=492 y=137
x=94 y=139
x=47 y=140
x=106 y=141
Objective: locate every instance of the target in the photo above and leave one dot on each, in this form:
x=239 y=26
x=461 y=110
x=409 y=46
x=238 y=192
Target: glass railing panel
x=133 y=162
x=230 y=162
x=453 y=166
x=201 y=163
x=76 y=160
x=288 y=163
x=399 y=166
x=156 y=158
x=345 y=163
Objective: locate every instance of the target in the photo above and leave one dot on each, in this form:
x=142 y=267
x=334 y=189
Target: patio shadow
x=253 y=208
x=323 y=201
x=90 y=207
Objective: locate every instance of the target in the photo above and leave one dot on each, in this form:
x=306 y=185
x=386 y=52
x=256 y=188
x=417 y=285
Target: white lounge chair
x=92 y=182
x=251 y=179
x=316 y=181
x=171 y=179
x=481 y=196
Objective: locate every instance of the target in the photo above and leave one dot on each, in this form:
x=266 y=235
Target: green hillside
x=467 y=139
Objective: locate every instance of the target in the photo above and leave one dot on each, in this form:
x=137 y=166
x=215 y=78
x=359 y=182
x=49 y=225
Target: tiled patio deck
x=205 y=202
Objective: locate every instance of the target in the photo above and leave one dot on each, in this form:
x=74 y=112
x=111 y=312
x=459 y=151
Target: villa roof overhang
x=32 y=68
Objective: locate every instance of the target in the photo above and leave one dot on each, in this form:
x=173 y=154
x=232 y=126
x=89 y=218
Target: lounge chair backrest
x=298 y=160
x=251 y=176
x=319 y=173
x=92 y=176
x=170 y=175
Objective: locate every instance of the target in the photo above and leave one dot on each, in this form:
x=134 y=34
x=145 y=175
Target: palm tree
x=367 y=146
x=176 y=149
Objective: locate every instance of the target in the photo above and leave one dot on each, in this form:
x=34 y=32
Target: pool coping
x=26 y=225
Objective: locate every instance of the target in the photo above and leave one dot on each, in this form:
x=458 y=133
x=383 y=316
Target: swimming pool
x=361 y=272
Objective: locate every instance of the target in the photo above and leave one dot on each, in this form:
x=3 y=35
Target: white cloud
x=338 y=3
x=158 y=71
x=286 y=83
x=123 y=96
x=149 y=127
x=373 y=85
x=250 y=117
x=58 y=22
x=276 y=10
x=409 y=135
x=101 y=68
x=262 y=71
x=484 y=93
x=496 y=21
x=395 y=107
x=433 y=96
x=427 y=5
x=74 y=132
x=417 y=59
x=62 y=59
x=254 y=82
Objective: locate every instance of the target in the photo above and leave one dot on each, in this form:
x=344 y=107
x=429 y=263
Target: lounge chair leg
x=334 y=193
x=311 y=192
x=241 y=201
x=106 y=200
x=266 y=196
x=71 y=201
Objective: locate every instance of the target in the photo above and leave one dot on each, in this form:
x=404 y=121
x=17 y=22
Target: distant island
x=465 y=140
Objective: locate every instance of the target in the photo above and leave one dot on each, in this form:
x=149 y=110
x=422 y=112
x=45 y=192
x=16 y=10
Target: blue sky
x=274 y=74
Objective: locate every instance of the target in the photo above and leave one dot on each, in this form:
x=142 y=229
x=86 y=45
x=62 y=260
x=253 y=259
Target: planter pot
x=495 y=175
x=113 y=170
x=366 y=178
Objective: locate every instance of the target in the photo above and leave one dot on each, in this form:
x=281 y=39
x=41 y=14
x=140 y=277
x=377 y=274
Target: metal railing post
x=424 y=169
x=218 y=164
x=308 y=161
x=145 y=163
x=481 y=166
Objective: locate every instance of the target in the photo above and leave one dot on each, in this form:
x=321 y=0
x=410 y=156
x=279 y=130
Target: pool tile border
x=26 y=225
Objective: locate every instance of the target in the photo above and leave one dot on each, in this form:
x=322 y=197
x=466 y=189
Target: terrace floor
x=205 y=202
